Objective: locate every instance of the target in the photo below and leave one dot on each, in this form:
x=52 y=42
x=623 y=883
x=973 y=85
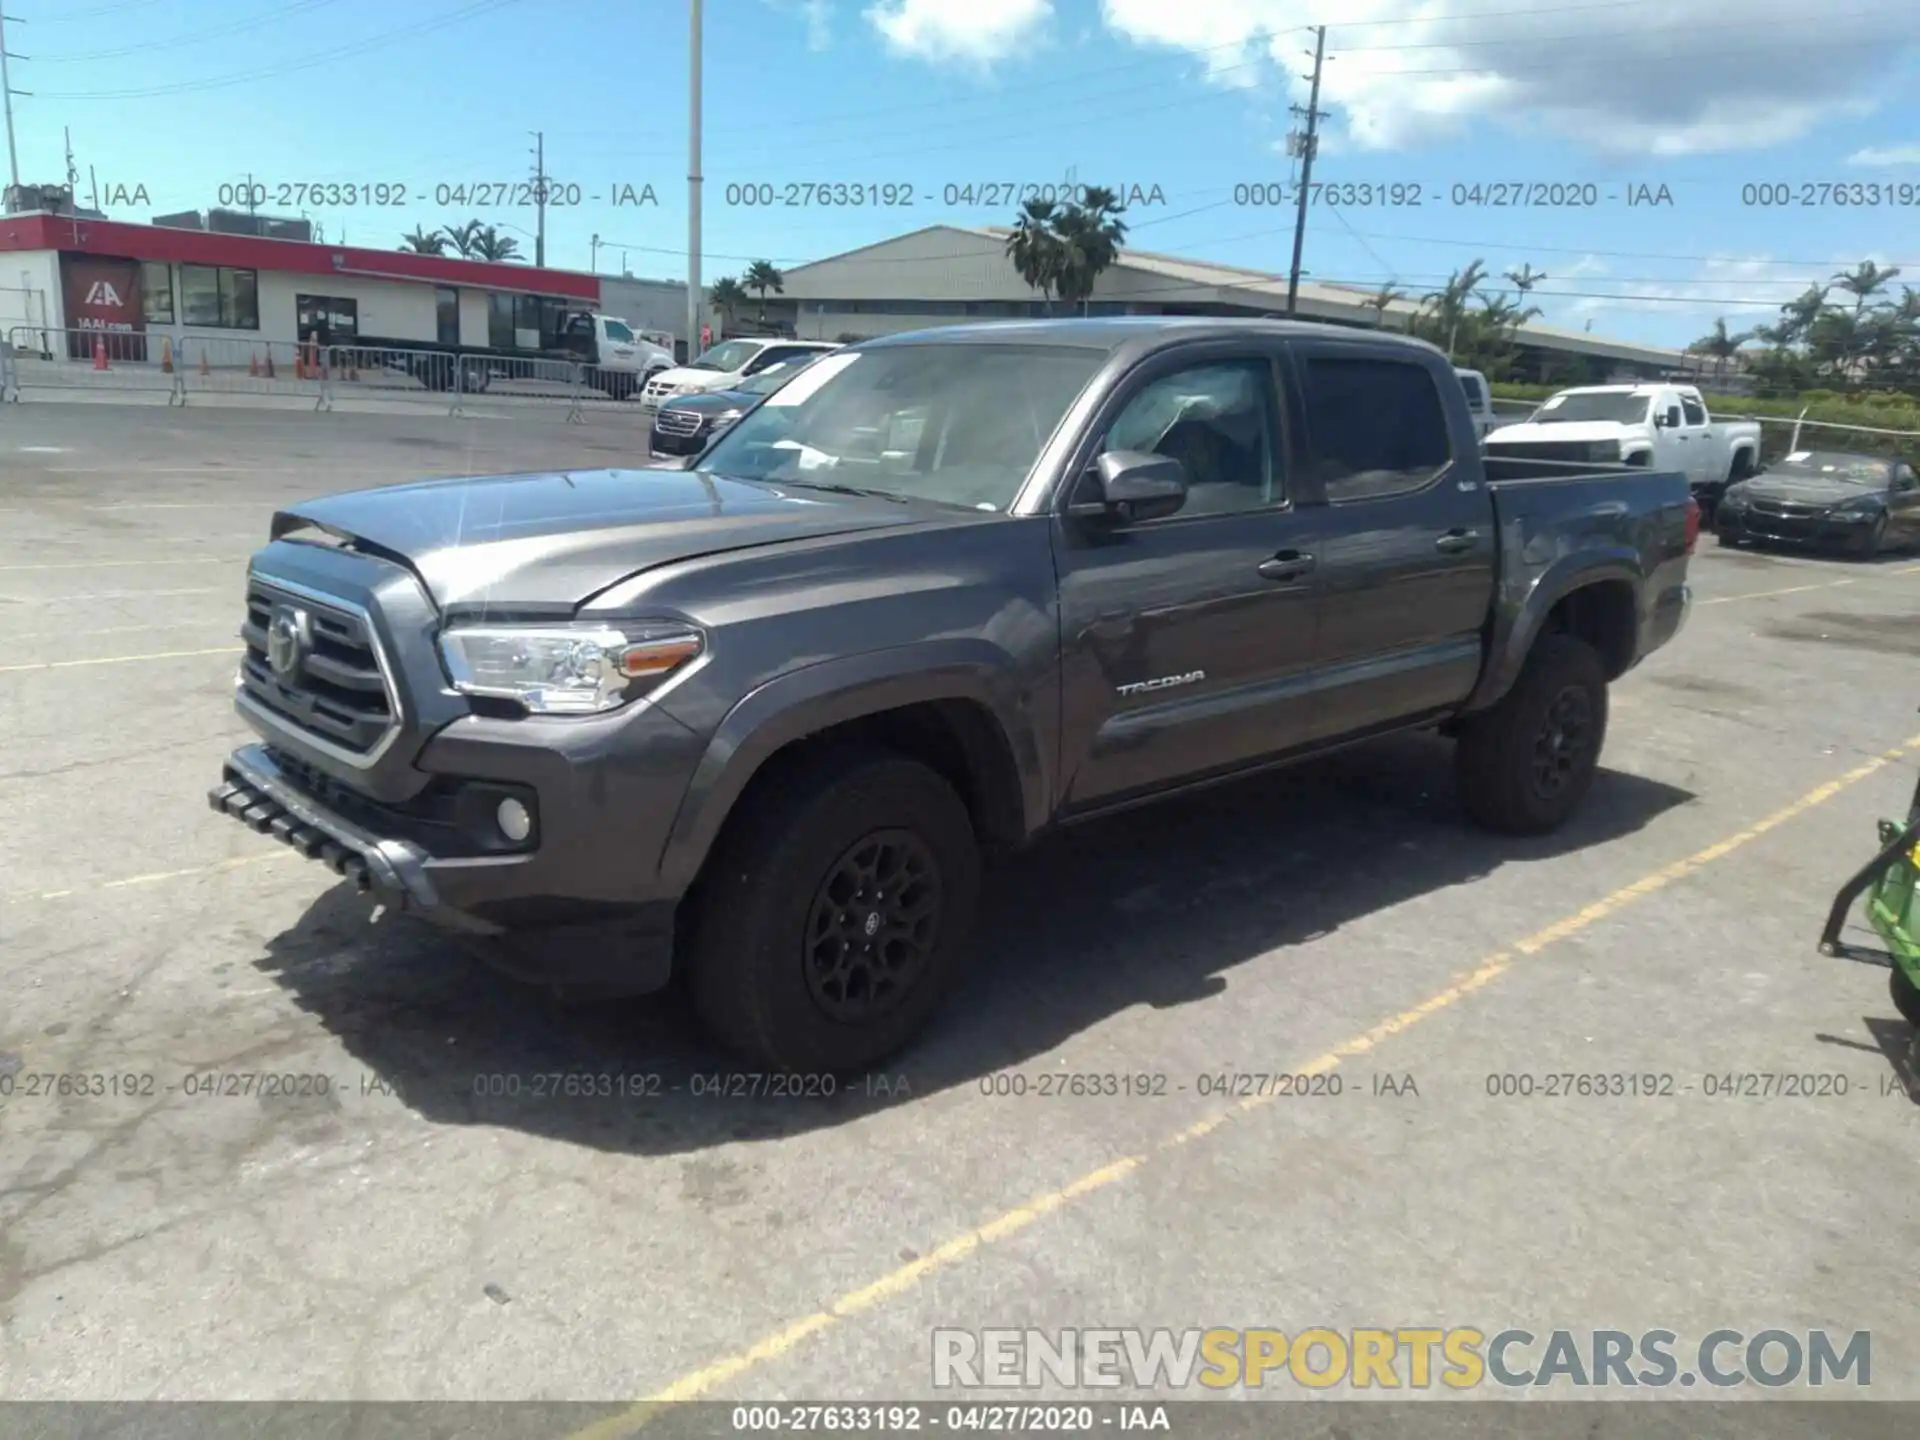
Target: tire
x=781 y=870
x=1906 y=996
x=1874 y=541
x=1526 y=764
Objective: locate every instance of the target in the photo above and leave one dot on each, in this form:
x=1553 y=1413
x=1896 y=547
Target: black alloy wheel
x=872 y=927
x=1562 y=745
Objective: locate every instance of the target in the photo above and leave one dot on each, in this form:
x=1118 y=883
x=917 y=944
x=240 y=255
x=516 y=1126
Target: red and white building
x=61 y=272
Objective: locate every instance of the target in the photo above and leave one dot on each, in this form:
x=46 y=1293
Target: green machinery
x=1891 y=883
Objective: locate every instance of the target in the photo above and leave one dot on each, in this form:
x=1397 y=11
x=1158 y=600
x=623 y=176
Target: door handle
x=1455 y=541
x=1287 y=565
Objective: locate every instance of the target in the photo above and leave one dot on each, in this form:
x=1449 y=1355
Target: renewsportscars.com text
x=1396 y=1358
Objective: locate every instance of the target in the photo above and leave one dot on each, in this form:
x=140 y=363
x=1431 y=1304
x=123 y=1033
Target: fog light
x=515 y=822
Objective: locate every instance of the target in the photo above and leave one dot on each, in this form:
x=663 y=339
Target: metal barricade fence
x=391 y=372
x=98 y=360
x=519 y=380
x=236 y=366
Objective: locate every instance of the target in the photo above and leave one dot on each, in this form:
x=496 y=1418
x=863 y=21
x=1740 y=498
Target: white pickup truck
x=1663 y=427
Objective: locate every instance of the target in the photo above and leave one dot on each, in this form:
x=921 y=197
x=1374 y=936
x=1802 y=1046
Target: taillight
x=1693 y=523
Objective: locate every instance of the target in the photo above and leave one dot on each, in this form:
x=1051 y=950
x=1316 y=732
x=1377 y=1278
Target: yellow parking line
x=121 y=659
x=697 y=1383
x=151 y=878
x=1822 y=585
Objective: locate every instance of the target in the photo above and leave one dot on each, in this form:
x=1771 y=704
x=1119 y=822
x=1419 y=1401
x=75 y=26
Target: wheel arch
x=958 y=712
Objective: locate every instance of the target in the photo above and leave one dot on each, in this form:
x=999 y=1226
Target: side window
x=1375 y=427
x=1903 y=477
x=1476 y=397
x=619 y=333
x=1218 y=421
x=1696 y=413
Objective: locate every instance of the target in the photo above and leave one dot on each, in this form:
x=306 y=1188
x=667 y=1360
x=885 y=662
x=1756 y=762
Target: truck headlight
x=566 y=669
x=1864 y=508
x=722 y=421
x=1604 y=452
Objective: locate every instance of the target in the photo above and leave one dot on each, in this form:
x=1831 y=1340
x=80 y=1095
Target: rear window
x=1374 y=427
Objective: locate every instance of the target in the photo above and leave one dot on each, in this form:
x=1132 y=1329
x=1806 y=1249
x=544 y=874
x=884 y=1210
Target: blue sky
x=1181 y=103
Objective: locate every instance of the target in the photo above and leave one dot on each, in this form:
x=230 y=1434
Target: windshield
x=952 y=424
x=1624 y=409
x=773 y=377
x=727 y=355
x=1830 y=465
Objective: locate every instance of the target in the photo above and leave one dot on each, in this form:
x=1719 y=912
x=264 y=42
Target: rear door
x=1704 y=465
x=1187 y=642
x=1406 y=557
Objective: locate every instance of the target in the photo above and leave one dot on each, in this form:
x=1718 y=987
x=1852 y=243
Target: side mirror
x=1134 y=486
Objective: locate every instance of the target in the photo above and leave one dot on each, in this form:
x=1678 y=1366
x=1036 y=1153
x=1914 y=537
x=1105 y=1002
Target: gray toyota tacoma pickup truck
x=756 y=720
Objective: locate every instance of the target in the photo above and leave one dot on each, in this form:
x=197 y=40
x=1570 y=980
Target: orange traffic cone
x=253 y=364
x=166 y=356
x=203 y=361
x=100 y=354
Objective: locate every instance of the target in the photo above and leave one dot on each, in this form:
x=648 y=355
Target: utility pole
x=1308 y=145
x=73 y=175
x=539 y=199
x=6 y=95
x=693 y=184
x=593 y=254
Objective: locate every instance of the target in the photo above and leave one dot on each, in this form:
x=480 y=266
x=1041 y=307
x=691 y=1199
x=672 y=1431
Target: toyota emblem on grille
x=289 y=637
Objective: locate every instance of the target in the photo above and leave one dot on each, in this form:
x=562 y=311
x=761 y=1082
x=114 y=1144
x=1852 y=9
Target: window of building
x=220 y=297
x=1375 y=427
x=326 y=318
x=1217 y=420
x=156 y=292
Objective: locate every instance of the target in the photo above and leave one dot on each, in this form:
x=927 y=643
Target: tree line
x=470 y=241
x=1851 y=334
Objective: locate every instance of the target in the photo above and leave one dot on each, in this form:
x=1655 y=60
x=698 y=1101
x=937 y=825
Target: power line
x=323 y=57
x=218 y=32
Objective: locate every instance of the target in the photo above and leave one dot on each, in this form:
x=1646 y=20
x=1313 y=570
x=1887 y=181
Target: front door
x=1903 y=505
x=446 y=307
x=1407 y=558
x=1187 y=641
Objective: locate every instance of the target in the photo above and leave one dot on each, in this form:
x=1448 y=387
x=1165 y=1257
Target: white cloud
x=1663 y=81
x=1886 y=155
x=976 y=32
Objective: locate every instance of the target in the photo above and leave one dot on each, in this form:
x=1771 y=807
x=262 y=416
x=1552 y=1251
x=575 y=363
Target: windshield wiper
x=836 y=488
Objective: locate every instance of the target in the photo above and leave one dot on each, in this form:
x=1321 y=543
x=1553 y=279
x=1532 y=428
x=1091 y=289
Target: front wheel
x=1875 y=540
x=835 y=913
x=1906 y=996
x=1525 y=764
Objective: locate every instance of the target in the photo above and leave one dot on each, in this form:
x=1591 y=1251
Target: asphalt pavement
x=418 y=1209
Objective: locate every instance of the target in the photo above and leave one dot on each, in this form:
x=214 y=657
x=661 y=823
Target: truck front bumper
x=514 y=910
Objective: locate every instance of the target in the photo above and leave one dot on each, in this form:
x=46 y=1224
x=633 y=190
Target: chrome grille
x=339 y=693
x=679 y=423
x=657 y=392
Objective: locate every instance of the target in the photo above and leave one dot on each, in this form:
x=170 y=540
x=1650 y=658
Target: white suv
x=726 y=365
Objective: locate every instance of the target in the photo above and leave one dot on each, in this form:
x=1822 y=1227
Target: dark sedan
x=687 y=426
x=1826 y=498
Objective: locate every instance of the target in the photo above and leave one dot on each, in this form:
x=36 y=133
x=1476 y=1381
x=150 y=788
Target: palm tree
x=1720 y=346
x=762 y=277
x=1864 y=282
x=463 y=238
x=424 y=242
x=1525 y=278
x=1090 y=233
x=1380 y=299
x=490 y=244
x=1448 y=308
x=1034 y=247
x=728 y=296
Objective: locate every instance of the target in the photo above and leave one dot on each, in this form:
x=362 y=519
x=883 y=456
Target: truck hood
x=544 y=543
x=1572 y=431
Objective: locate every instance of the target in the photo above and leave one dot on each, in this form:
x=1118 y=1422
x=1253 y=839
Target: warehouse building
x=947 y=274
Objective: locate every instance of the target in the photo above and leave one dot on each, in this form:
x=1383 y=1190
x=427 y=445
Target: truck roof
x=1142 y=332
